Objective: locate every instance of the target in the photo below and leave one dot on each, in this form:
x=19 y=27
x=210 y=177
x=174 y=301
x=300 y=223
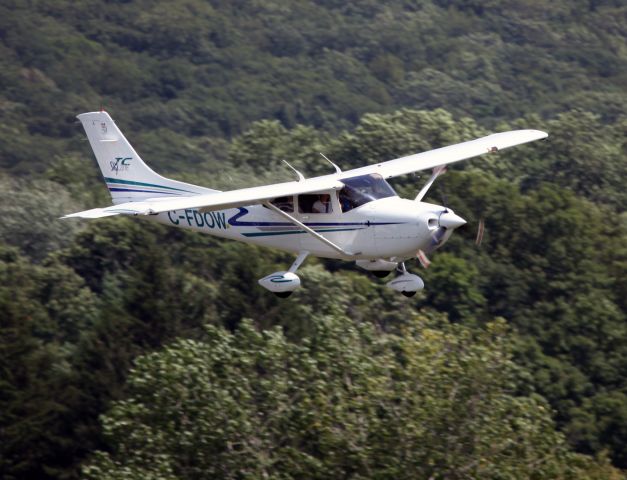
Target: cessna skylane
x=352 y=215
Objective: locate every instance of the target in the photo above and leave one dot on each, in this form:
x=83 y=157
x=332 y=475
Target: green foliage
x=583 y=154
x=210 y=69
x=44 y=312
x=559 y=281
x=29 y=208
x=70 y=330
x=267 y=143
x=454 y=287
x=388 y=136
x=436 y=402
x=217 y=93
x=541 y=266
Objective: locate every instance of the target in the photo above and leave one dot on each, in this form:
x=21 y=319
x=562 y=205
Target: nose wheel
x=406 y=283
x=283 y=294
x=380 y=273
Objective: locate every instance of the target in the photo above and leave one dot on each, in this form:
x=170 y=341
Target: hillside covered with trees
x=130 y=350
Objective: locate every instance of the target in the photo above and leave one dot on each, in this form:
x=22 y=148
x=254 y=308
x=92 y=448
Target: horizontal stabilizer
x=93 y=213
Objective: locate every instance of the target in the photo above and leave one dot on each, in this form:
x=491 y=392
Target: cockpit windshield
x=360 y=190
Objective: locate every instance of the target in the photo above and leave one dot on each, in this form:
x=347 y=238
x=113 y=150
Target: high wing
x=215 y=201
x=392 y=168
x=451 y=154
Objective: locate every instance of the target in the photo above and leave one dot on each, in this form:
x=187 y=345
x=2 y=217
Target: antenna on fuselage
x=337 y=169
x=300 y=175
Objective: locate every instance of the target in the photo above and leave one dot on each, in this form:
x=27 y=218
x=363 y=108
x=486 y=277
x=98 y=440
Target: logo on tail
x=120 y=164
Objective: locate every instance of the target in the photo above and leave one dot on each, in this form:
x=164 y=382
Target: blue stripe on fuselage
x=234 y=221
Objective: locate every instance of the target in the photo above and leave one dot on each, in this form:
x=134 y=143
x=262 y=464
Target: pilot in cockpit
x=323 y=204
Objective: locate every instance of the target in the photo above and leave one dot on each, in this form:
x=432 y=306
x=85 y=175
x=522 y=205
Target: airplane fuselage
x=390 y=228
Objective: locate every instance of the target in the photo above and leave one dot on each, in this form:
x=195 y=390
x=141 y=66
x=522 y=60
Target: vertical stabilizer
x=128 y=178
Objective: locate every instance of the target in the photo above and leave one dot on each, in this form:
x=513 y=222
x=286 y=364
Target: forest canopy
x=129 y=350
x=197 y=68
x=348 y=402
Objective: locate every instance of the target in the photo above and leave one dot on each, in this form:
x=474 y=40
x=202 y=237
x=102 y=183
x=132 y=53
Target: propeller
x=423 y=259
x=444 y=201
x=480 y=230
x=439 y=235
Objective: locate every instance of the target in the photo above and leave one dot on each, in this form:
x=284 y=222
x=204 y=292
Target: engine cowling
x=281 y=283
x=407 y=283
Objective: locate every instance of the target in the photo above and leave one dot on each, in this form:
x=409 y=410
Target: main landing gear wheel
x=283 y=284
x=409 y=294
x=380 y=273
x=282 y=294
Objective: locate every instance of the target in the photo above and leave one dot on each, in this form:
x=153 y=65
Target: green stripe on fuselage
x=291 y=232
x=142 y=184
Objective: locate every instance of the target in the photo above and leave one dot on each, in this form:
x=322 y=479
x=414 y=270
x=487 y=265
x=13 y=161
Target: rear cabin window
x=316 y=203
x=285 y=204
x=360 y=190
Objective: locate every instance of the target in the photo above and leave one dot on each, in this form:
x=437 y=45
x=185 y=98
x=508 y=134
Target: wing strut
x=310 y=230
x=436 y=172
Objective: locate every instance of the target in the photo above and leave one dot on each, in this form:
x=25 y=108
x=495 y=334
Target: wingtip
x=529 y=135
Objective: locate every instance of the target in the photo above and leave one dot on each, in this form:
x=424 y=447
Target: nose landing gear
x=406 y=283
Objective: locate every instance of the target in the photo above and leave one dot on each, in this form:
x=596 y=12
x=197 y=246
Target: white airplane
x=353 y=215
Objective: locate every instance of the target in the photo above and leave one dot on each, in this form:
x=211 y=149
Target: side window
x=284 y=203
x=316 y=203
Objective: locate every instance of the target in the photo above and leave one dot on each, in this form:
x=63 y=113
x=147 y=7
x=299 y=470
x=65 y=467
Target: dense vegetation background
x=512 y=362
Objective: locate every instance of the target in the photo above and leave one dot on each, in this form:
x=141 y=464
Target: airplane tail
x=128 y=178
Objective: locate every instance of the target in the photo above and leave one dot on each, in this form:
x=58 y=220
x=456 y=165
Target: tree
x=439 y=401
x=454 y=288
x=29 y=208
x=44 y=311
